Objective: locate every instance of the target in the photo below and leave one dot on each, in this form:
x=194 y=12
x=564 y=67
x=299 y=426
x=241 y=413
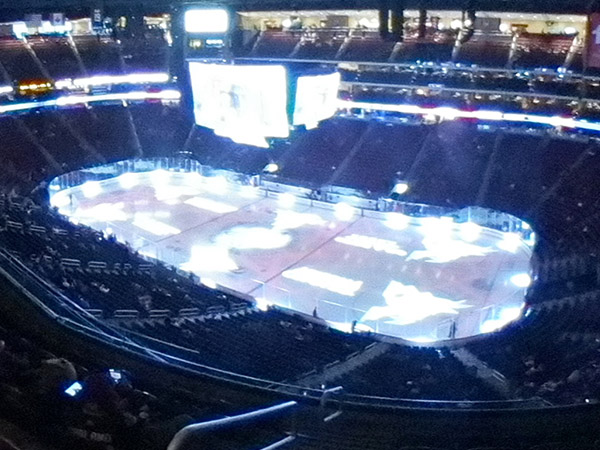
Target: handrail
x=279 y=443
x=328 y=393
x=183 y=438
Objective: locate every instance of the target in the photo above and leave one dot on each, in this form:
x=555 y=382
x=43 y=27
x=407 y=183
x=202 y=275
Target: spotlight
x=399 y=188
x=271 y=168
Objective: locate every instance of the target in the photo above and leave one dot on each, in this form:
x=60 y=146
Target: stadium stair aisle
x=491 y=377
x=338 y=369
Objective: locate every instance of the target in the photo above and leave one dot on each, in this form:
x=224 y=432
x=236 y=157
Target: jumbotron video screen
x=244 y=103
x=250 y=103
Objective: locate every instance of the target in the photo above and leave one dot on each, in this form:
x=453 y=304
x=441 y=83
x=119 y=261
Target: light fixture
x=400 y=188
x=271 y=168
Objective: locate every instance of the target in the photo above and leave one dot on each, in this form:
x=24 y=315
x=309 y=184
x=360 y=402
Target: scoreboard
x=207 y=33
x=251 y=102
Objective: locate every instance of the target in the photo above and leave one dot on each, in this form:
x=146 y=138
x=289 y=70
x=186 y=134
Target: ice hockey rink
x=423 y=279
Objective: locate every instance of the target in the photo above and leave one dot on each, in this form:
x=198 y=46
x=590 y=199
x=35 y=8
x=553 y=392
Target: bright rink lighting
x=436 y=226
x=234 y=250
x=162 y=214
x=442 y=249
x=209 y=259
x=372 y=243
x=60 y=199
x=141 y=78
x=154 y=226
x=555 y=121
x=396 y=221
x=166 y=192
x=470 y=231
x=103 y=212
x=405 y=305
x=507 y=315
x=149 y=252
x=346 y=327
x=510 y=243
x=160 y=177
x=263 y=304
x=128 y=180
x=110 y=80
x=209 y=282
x=289 y=220
x=210 y=205
x=91 y=189
x=249 y=191
x=174 y=95
x=193 y=179
x=344 y=212
x=165 y=94
x=286 y=200
x=324 y=280
x=521 y=280
x=217 y=185
x=422 y=339
x=249 y=238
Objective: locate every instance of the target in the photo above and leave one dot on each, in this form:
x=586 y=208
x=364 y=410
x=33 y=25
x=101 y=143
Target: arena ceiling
x=548 y=6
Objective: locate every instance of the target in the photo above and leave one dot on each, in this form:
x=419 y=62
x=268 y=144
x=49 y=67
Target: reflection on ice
x=246 y=238
x=209 y=259
x=443 y=249
x=241 y=235
x=372 y=243
x=103 y=212
x=406 y=305
x=288 y=220
x=324 y=280
x=153 y=226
